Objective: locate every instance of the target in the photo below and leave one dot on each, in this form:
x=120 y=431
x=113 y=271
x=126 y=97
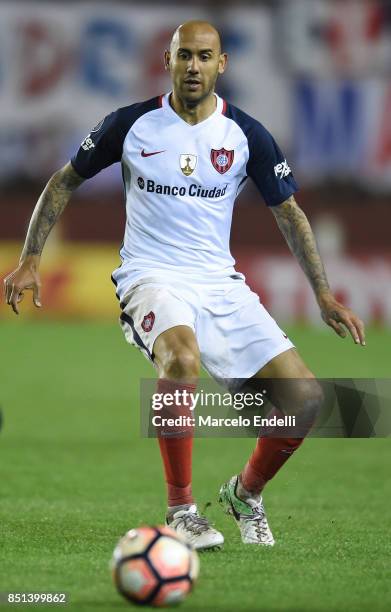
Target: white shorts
x=235 y=333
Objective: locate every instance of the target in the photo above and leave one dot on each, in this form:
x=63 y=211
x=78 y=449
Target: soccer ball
x=154 y=566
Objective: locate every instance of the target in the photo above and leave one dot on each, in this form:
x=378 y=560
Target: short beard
x=194 y=103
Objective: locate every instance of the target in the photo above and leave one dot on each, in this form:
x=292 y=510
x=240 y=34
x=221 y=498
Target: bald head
x=196 y=31
x=194 y=61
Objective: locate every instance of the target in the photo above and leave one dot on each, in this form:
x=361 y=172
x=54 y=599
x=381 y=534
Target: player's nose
x=193 y=66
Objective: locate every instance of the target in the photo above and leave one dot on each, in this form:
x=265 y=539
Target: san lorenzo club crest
x=188 y=162
x=148 y=321
x=222 y=159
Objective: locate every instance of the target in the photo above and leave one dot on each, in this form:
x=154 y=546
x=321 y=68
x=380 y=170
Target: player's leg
x=176 y=354
x=239 y=340
x=159 y=319
x=300 y=395
x=160 y=322
x=177 y=359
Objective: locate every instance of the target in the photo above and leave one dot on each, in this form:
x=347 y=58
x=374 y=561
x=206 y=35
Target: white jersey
x=181 y=182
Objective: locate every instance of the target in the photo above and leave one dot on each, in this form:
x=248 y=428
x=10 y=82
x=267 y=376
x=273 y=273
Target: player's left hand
x=338 y=317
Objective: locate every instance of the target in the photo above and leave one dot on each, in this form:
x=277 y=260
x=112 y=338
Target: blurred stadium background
x=315 y=72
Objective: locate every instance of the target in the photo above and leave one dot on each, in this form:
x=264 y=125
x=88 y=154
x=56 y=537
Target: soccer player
x=185 y=157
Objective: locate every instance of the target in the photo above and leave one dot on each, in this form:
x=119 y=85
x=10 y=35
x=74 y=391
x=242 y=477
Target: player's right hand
x=26 y=276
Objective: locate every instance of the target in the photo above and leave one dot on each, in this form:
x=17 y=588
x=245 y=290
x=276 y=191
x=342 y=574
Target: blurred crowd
x=317 y=73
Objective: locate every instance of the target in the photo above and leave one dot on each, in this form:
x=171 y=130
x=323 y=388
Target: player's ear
x=223 y=60
x=167 y=57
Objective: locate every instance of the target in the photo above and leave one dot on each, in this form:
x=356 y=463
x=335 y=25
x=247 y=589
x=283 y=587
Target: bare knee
x=177 y=355
x=308 y=400
x=181 y=364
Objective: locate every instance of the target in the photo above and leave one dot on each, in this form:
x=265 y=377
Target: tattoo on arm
x=50 y=205
x=297 y=231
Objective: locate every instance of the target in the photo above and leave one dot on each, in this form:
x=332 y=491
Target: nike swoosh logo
x=144 y=154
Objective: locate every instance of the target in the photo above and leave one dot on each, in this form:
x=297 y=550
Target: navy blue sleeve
x=101 y=148
x=104 y=144
x=266 y=165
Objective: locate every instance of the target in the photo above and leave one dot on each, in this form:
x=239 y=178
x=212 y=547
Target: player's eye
x=205 y=57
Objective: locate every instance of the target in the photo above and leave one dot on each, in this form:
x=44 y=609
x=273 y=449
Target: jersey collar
x=165 y=102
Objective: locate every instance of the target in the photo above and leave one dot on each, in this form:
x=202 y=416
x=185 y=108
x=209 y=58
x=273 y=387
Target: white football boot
x=196 y=529
x=249 y=514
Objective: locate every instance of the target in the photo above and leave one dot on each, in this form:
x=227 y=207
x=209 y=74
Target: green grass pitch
x=75 y=476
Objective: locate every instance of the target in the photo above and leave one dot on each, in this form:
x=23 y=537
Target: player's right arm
x=102 y=147
x=50 y=205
